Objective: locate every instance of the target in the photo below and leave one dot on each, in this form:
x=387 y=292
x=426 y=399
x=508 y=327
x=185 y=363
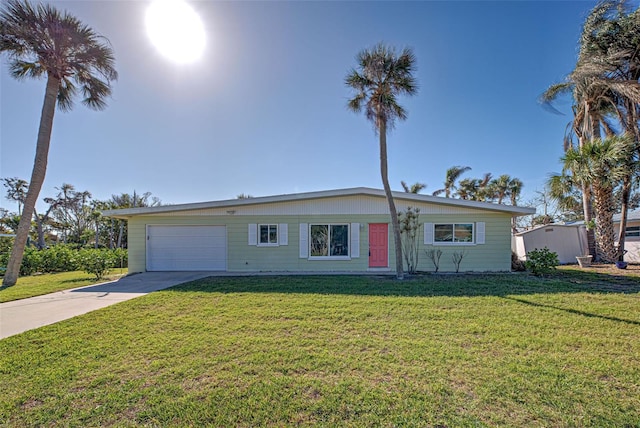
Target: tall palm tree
x=515 y=188
x=610 y=56
x=452 y=175
x=380 y=77
x=602 y=164
x=500 y=187
x=604 y=84
x=40 y=42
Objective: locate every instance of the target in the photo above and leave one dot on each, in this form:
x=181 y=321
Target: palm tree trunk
x=392 y=206
x=35 y=184
x=604 y=225
x=588 y=217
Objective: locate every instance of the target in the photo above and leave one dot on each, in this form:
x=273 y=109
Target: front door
x=378 y=245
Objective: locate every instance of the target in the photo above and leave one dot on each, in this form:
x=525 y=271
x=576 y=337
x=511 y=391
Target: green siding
x=494 y=255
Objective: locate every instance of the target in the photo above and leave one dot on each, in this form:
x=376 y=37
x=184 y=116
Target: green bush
x=59 y=258
x=97 y=261
x=65 y=258
x=122 y=257
x=541 y=262
x=31 y=261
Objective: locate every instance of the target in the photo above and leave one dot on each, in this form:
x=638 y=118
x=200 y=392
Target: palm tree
x=381 y=76
x=414 y=188
x=453 y=174
x=500 y=187
x=609 y=56
x=40 y=42
x=605 y=84
x=514 y=190
x=602 y=164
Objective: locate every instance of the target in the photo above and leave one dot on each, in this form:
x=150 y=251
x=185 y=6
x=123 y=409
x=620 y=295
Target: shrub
x=541 y=262
x=59 y=258
x=122 y=257
x=517 y=264
x=457 y=257
x=434 y=255
x=97 y=262
x=31 y=261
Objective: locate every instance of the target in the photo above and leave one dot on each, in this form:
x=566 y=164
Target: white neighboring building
x=632 y=235
x=567 y=240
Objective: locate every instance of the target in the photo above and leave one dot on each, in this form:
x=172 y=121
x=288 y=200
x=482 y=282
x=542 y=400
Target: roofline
x=544 y=226
x=130 y=212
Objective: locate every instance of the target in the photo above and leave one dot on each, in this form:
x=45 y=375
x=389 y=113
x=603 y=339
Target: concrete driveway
x=34 y=312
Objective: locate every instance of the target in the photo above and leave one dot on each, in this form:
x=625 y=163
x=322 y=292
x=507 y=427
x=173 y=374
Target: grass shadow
x=571 y=311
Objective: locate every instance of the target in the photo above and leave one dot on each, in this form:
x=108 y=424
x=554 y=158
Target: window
x=268 y=234
x=632 y=231
x=329 y=240
x=453 y=233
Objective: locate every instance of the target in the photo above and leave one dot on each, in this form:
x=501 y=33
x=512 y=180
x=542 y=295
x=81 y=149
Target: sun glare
x=176 y=30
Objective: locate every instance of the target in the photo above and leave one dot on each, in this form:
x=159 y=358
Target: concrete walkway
x=26 y=314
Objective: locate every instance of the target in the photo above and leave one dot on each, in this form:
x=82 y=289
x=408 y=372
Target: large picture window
x=453 y=233
x=268 y=234
x=329 y=240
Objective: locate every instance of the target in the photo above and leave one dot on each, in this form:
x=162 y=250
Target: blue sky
x=264 y=111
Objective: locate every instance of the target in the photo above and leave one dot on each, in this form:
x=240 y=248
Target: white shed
x=567 y=240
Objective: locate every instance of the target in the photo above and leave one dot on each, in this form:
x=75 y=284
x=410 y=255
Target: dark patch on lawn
x=425 y=285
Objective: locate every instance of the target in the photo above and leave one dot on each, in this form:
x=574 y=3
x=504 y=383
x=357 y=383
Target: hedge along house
x=346 y=230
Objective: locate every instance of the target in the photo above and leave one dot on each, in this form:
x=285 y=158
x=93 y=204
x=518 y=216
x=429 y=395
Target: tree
x=71 y=212
x=452 y=175
x=414 y=188
x=602 y=163
x=126 y=200
x=16 y=190
x=380 y=77
x=604 y=84
x=41 y=41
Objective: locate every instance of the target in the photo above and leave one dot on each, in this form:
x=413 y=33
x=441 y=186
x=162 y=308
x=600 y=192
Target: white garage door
x=186 y=248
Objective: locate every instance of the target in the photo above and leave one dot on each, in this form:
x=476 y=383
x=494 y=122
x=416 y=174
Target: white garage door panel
x=184 y=248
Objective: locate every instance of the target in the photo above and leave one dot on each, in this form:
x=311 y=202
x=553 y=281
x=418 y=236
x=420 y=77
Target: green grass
x=36 y=285
x=493 y=350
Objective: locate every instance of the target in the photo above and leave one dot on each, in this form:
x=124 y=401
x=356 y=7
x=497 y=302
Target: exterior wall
x=631 y=244
x=494 y=255
x=567 y=241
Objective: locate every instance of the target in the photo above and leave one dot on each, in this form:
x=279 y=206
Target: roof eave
x=130 y=212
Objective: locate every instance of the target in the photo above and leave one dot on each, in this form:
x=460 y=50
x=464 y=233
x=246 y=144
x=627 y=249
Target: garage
x=186 y=248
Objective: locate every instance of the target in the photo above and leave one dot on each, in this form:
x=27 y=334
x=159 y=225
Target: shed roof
x=631 y=216
x=230 y=203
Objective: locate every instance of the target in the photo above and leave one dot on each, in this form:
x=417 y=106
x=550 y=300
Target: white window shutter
x=253 y=234
x=480 y=232
x=304 y=240
x=428 y=233
x=355 y=240
x=283 y=234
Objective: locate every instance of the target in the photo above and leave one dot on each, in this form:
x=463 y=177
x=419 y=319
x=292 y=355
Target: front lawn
x=448 y=351
x=36 y=285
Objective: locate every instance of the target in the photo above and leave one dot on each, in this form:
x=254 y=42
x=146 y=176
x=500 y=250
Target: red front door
x=378 y=245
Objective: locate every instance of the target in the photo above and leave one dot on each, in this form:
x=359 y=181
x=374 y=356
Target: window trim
x=453 y=233
x=269 y=226
x=329 y=257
